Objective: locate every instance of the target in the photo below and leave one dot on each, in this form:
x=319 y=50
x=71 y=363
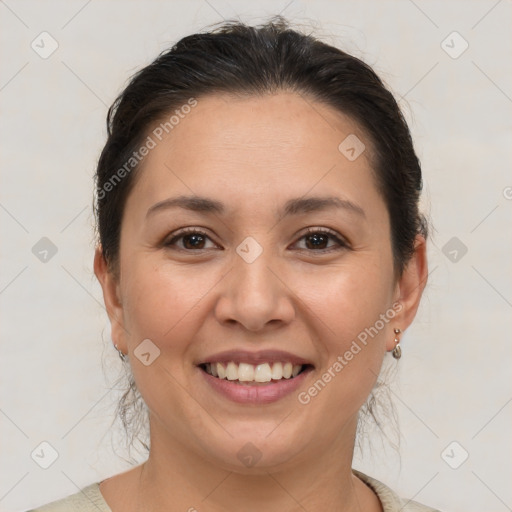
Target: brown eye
x=193 y=241
x=318 y=241
x=189 y=240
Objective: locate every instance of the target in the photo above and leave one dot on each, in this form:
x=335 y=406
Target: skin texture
x=253 y=154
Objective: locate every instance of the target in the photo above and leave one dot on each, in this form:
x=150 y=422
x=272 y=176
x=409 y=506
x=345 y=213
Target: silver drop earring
x=122 y=356
x=397 y=351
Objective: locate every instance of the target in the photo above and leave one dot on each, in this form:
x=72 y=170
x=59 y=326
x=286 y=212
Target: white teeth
x=232 y=371
x=263 y=373
x=277 y=371
x=244 y=372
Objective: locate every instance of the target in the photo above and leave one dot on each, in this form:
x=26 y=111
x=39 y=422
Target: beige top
x=90 y=499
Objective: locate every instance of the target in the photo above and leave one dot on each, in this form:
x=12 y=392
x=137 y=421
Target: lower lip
x=256 y=394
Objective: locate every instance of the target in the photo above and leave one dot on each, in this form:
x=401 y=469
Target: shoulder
x=89 y=499
x=391 y=502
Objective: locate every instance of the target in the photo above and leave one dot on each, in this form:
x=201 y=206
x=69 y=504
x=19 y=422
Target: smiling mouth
x=253 y=374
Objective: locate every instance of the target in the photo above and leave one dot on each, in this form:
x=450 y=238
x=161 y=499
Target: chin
x=256 y=452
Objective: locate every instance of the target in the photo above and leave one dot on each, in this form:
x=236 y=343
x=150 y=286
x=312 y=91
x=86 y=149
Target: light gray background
x=453 y=382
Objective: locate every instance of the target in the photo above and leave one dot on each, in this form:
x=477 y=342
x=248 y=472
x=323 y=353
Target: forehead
x=260 y=147
x=291 y=124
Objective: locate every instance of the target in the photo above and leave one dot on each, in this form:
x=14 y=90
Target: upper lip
x=255 y=358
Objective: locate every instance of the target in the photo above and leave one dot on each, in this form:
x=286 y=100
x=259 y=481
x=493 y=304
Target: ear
x=110 y=286
x=410 y=286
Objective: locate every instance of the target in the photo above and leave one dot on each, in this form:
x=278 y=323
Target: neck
x=176 y=478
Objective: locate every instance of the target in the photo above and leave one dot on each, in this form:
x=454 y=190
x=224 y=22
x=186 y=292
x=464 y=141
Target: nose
x=255 y=296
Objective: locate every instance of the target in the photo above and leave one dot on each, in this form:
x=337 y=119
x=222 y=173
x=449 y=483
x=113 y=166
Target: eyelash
x=310 y=231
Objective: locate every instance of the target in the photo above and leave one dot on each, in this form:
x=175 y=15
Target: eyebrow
x=295 y=206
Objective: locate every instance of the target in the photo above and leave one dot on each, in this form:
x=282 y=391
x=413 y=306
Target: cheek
x=347 y=298
x=161 y=301
x=353 y=318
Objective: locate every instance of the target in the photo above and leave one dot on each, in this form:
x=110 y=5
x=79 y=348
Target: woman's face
x=287 y=258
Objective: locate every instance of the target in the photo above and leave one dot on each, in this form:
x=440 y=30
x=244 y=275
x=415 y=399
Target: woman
x=260 y=251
